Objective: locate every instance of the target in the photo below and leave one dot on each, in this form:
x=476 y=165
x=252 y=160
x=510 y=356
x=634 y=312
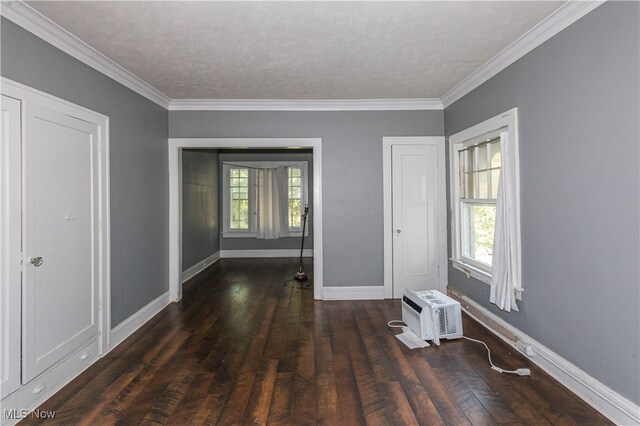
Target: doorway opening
x=176 y=148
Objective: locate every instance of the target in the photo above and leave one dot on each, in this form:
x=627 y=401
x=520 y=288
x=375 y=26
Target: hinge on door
x=100 y=304
x=438 y=270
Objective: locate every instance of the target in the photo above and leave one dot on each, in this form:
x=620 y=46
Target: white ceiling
x=299 y=50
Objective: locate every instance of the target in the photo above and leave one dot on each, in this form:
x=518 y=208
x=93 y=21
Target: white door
x=60 y=236
x=415 y=217
x=9 y=245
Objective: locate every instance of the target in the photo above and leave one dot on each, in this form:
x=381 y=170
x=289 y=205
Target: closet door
x=9 y=245
x=60 y=237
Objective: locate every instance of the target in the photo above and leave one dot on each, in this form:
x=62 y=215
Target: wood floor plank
x=326 y=388
x=401 y=409
x=350 y=409
x=417 y=396
x=373 y=393
x=444 y=402
x=260 y=400
x=464 y=397
x=247 y=346
x=304 y=389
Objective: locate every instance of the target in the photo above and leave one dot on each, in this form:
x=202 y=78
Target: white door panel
x=415 y=221
x=60 y=309
x=9 y=246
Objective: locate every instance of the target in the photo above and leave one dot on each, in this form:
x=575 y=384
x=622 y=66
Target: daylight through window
x=261 y=196
x=294 y=202
x=479 y=167
x=485 y=200
x=239 y=191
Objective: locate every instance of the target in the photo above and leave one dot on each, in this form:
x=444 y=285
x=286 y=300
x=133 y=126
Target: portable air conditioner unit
x=432 y=315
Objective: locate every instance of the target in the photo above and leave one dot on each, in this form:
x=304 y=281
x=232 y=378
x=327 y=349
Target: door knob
x=398 y=231
x=36 y=261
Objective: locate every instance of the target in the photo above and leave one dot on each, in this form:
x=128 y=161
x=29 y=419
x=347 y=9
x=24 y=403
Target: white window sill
x=298 y=234
x=229 y=234
x=479 y=274
x=255 y=235
x=472 y=271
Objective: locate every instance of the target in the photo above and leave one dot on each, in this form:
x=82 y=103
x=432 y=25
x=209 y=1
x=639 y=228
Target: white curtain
x=505 y=271
x=268 y=204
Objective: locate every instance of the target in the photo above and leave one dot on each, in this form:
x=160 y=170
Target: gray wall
x=200 y=231
x=352 y=172
x=138 y=154
x=269 y=155
x=578 y=103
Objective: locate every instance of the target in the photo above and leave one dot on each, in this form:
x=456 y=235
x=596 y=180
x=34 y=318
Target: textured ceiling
x=298 y=50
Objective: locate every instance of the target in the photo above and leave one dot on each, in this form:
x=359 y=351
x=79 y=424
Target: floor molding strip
x=200 y=266
x=129 y=326
x=611 y=404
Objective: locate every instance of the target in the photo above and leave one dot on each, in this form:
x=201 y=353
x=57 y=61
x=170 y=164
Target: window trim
x=507 y=121
x=304 y=200
x=227 y=198
x=227 y=232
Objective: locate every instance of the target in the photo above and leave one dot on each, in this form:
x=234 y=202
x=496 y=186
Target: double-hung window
x=295 y=199
x=479 y=169
x=478 y=157
x=283 y=203
x=239 y=190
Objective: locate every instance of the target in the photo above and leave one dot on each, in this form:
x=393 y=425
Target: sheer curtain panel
x=505 y=269
x=269 y=204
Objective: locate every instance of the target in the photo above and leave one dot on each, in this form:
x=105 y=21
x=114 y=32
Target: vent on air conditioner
x=439 y=315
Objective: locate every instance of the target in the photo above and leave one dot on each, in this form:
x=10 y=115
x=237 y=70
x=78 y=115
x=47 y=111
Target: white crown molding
x=305 y=105
x=38 y=24
x=560 y=19
x=41 y=26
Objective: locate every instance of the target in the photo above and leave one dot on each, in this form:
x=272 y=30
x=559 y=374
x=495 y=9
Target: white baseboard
x=134 y=322
x=353 y=293
x=200 y=266
x=227 y=254
x=611 y=404
x=21 y=403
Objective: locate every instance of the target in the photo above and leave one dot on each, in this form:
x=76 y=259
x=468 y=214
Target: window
x=241 y=198
x=294 y=197
x=239 y=191
x=479 y=176
x=476 y=172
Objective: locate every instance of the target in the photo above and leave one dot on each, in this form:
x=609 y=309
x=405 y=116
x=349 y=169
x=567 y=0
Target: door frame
x=387 y=180
x=26 y=95
x=176 y=145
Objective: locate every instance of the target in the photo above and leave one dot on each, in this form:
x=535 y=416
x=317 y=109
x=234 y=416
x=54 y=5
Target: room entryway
x=176 y=148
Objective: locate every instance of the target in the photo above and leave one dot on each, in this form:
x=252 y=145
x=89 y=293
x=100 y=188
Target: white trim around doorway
x=387 y=144
x=176 y=145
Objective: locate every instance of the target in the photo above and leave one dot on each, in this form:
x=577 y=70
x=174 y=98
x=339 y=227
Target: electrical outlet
x=525 y=348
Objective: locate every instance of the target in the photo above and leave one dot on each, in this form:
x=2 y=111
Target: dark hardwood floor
x=242 y=348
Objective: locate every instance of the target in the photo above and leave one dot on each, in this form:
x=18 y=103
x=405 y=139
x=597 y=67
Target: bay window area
x=264 y=199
